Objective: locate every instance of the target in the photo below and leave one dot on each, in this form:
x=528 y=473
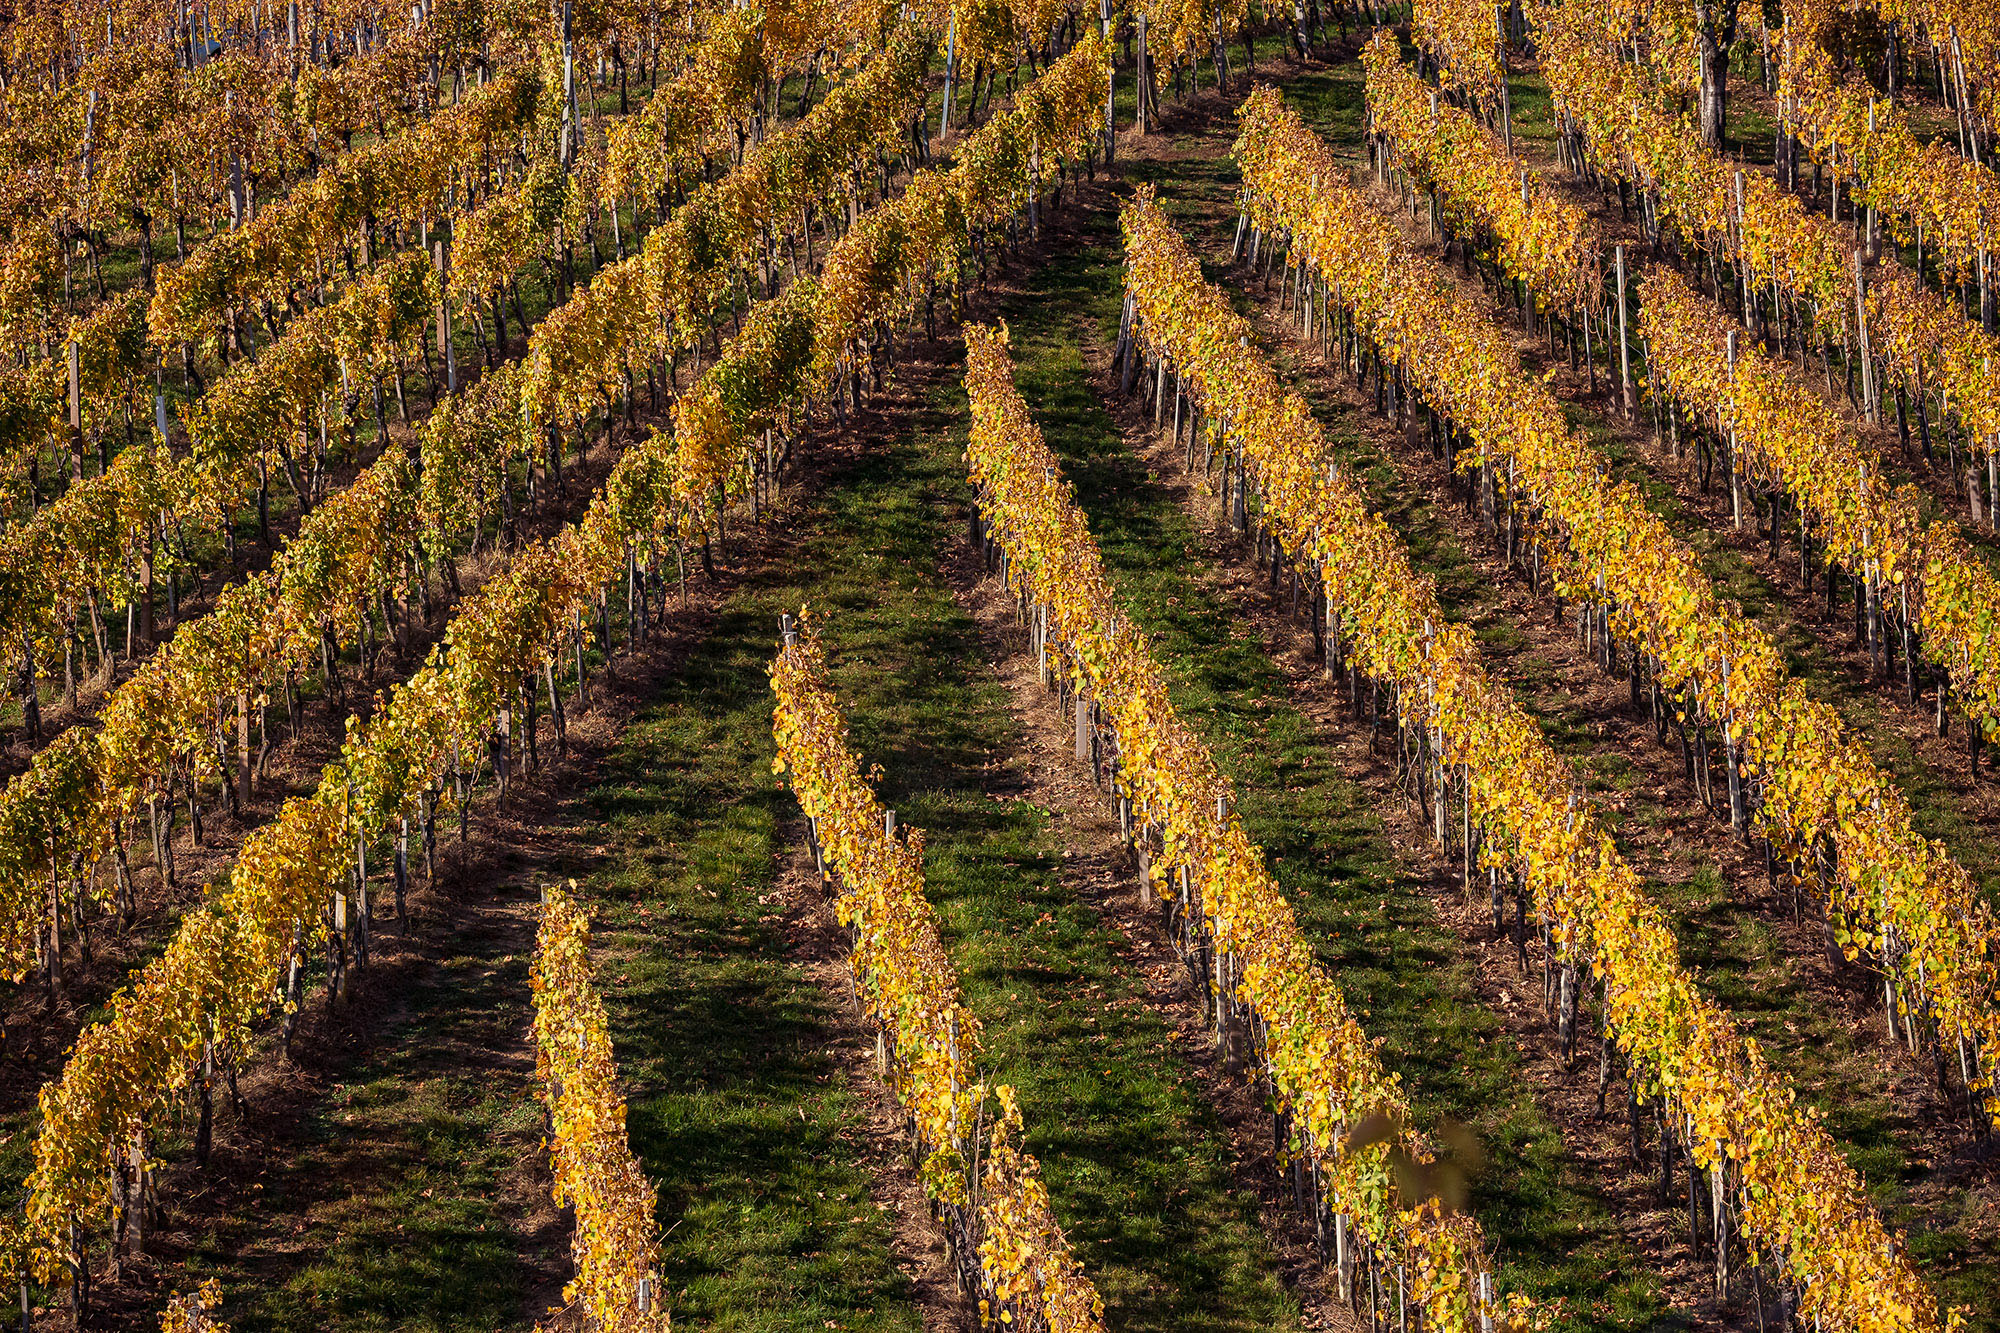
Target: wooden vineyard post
x=76 y=403
x=1110 y=86
x=501 y=760
x=336 y=981
x=1993 y=484
x=1142 y=96
x=447 y=354
x=1144 y=853
x=1870 y=408
x=950 y=80
x=1624 y=339
x=243 y=750
x=427 y=811
x=1343 y=1261
x=1735 y=487
x=361 y=911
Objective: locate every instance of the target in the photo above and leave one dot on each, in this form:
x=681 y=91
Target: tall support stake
x=1869 y=408
x=1735 y=486
x=567 y=147
x=75 y=413
x=950 y=73
x=447 y=354
x=1142 y=87
x=1624 y=339
x=243 y=750
x=1110 y=85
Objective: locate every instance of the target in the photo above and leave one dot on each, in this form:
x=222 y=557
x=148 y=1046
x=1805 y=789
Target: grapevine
x=1467 y=40
x=990 y=1195
x=103 y=528
x=1324 y=1069
x=1953 y=201
x=1184 y=30
x=231 y=956
x=1965 y=32
x=616 y=1242
x=189 y=1312
x=87 y=544
x=228 y=957
x=148 y=131
x=694 y=258
x=159 y=729
x=669 y=140
x=1937 y=582
x=343 y=194
x=1918 y=572
x=404 y=178
x=1604 y=548
x=817 y=337
x=1612 y=113
x=1543 y=238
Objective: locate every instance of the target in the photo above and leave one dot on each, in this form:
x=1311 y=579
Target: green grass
x=1368 y=912
x=738 y=1112
x=391 y=1201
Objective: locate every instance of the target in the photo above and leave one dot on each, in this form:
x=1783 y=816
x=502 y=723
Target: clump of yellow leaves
x=1542 y=236
x=909 y=989
x=616 y=1243
x=188 y=1312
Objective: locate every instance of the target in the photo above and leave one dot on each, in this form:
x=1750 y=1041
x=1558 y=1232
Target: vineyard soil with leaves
x=998 y=664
